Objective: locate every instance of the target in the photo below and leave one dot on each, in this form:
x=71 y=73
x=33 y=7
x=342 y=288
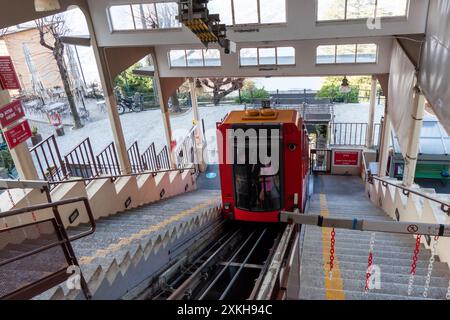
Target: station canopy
x=434 y=140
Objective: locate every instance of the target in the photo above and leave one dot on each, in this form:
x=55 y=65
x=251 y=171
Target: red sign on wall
x=18 y=134
x=346 y=158
x=10 y=113
x=8 y=76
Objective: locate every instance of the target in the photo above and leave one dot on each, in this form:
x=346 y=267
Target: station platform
x=128 y=247
x=344 y=197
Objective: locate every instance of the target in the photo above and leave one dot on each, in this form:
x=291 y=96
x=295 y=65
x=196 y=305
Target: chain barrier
x=414 y=264
x=430 y=267
x=369 y=262
x=332 y=243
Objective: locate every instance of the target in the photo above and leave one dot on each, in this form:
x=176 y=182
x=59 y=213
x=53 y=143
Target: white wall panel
x=301 y=24
x=305 y=61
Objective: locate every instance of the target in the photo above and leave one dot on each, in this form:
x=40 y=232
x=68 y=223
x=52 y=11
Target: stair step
x=438 y=271
x=385 y=277
x=311 y=293
x=310 y=256
x=397 y=289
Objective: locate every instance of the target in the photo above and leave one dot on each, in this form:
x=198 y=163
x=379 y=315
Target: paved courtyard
x=147 y=127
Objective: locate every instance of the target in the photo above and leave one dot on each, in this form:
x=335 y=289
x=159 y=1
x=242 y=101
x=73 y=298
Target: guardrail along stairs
x=350 y=252
x=129 y=247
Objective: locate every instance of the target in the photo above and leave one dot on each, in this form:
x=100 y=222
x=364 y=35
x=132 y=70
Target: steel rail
x=154 y=173
x=225 y=267
x=192 y=281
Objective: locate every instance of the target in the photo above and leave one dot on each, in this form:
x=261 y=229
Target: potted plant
x=36 y=137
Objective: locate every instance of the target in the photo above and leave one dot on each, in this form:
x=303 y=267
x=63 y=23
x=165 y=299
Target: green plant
x=250 y=93
x=131 y=83
x=34 y=130
x=6 y=160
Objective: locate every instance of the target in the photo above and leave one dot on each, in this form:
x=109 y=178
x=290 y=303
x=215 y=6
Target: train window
x=258 y=185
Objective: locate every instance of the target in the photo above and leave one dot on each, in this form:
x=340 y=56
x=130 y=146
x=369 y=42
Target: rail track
x=234 y=260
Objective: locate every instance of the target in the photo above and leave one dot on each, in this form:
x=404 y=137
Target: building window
x=194 y=58
x=331 y=10
x=267 y=56
x=144 y=16
x=347 y=53
x=240 y=12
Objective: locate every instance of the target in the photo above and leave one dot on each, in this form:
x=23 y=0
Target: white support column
x=20 y=155
x=110 y=99
x=199 y=139
x=385 y=142
x=414 y=139
x=165 y=113
x=373 y=98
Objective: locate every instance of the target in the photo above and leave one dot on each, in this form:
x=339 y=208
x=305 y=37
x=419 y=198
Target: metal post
x=111 y=107
x=199 y=138
x=373 y=92
x=385 y=142
x=414 y=139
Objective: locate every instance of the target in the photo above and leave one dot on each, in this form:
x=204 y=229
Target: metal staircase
x=344 y=197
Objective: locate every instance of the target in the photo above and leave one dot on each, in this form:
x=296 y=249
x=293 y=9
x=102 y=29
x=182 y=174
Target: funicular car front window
x=257 y=184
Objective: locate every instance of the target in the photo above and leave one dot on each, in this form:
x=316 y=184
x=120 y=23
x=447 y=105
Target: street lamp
x=345 y=88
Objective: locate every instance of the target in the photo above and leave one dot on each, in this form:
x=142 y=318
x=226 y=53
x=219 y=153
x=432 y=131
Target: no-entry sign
x=18 y=134
x=10 y=113
x=8 y=76
x=346 y=158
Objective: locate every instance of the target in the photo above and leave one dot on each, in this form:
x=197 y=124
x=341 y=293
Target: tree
x=132 y=83
x=52 y=29
x=249 y=92
x=221 y=87
x=360 y=86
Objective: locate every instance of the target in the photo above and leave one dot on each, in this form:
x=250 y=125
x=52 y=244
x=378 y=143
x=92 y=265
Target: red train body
x=258 y=191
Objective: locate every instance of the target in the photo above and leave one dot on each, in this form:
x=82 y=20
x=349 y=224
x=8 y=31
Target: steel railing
x=135 y=158
x=48 y=278
x=107 y=160
x=49 y=162
x=80 y=161
x=149 y=158
x=370 y=178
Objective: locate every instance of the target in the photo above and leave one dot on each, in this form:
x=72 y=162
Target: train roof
x=261 y=116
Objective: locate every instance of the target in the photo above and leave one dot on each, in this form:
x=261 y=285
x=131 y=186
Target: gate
x=320 y=161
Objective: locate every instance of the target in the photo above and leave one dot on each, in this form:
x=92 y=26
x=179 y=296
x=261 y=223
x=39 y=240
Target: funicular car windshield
x=258 y=181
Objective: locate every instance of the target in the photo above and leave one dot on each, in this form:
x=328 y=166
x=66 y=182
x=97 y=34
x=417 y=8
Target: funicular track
x=230 y=263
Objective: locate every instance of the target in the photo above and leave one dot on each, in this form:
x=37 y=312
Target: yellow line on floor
x=153 y=228
x=334 y=288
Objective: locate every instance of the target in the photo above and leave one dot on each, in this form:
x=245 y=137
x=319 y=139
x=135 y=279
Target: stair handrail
x=64 y=241
x=445 y=207
x=136 y=174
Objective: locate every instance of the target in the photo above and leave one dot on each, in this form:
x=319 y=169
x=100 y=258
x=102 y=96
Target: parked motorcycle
x=135 y=104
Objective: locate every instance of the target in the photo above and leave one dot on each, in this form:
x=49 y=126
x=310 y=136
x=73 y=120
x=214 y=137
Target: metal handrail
x=64 y=241
x=113 y=177
x=445 y=207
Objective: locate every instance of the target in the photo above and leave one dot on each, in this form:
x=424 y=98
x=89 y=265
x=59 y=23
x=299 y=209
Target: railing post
x=370 y=128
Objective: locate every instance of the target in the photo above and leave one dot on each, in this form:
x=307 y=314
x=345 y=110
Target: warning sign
x=346 y=158
x=18 y=134
x=8 y=76
x=10 y=113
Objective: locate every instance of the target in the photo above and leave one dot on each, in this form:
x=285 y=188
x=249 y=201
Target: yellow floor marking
x=125 y=241
x=334 y=288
